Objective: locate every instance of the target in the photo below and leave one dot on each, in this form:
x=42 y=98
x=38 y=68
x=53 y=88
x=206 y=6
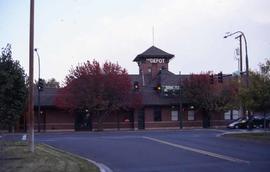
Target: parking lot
x=164 y=151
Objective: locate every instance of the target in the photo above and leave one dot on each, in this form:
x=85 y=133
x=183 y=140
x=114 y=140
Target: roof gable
x=153 y=52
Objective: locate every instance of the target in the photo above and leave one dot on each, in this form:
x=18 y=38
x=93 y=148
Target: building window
x=157 y=114
x=174 y=115
x=191 y=115
x=227 y=115
x=235 y=114
x=231 y=114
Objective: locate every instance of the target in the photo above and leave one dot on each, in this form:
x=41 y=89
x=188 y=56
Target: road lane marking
x=224 y=157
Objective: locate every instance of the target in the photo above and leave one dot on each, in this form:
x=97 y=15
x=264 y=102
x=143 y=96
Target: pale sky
x=68 y=32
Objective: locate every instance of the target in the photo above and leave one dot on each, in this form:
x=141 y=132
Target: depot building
x=160 y=103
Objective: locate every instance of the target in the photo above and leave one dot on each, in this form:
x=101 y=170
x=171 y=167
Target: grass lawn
x=15 y=157
x=261 y=137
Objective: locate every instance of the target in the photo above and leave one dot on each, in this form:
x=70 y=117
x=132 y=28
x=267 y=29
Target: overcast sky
x=68 y=32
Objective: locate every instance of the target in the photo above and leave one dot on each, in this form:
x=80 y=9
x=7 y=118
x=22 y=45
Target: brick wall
x=57 y=119
x=217 y=119
x=155 y=67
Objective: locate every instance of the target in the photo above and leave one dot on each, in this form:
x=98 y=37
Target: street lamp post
x=180 y=115
x=242 y=34
x=241 y=57
x=38 y=116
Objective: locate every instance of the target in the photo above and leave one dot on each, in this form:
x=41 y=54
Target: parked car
x=258 y=121
x=267 y=120
x=255 y=121
x=239 y=123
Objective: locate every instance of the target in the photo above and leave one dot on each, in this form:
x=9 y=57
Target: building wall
x=116 y=120
x=155 y=67
x=57 y=119
x=216 y=119
x=165 y=122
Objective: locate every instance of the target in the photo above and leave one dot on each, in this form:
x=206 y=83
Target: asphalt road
x=164 y=151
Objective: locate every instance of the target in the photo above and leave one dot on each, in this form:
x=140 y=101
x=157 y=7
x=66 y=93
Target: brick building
x=160 y=102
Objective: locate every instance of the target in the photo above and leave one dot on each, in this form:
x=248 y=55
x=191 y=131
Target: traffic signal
x=220 y=77
x=136 y=86
x=211 y=79
x=40 y=84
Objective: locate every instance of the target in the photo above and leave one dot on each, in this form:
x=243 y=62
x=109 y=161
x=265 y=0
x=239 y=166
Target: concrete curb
x=240 y=132
x=102 y=167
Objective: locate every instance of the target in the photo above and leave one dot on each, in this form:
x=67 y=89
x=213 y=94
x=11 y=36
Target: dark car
x=239 y=123
x=267 y=121
x=255 y=121
x=258 y=121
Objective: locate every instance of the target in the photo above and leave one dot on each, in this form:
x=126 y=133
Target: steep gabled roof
x=153 y=52
x=168 y=78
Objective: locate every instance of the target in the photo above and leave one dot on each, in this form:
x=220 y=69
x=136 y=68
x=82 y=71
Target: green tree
x=13 y=91
x=256 y=97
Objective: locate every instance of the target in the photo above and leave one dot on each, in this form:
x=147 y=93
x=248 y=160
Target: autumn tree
x=206 y=97
x=13 y=91
x=98 y=89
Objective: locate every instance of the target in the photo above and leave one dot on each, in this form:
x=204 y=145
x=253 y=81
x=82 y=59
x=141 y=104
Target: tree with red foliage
x=206 y=97
x=100 y=90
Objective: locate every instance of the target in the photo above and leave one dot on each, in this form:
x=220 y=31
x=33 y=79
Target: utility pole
x=31 y=74
x=241 y=53
x=241 y=71
x=246 y=53
x=180 y=102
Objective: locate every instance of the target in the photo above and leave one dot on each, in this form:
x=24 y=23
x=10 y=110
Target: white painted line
x=215 y=155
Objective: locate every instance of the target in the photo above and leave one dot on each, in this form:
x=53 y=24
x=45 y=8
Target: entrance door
x=141 y=120
x=206 y=120
x=83 y=121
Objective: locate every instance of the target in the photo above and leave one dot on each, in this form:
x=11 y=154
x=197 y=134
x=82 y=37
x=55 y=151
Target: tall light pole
x=31 y=71
x=39 y=79
x=241 y=55
x=247 y=66
x=180 y=115
x=241 y=34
